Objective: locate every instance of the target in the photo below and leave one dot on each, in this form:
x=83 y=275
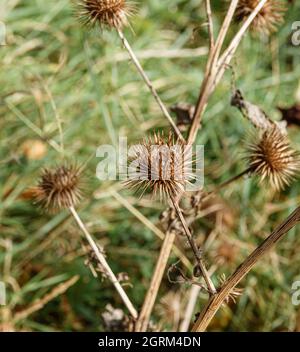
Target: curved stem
x=216 y=301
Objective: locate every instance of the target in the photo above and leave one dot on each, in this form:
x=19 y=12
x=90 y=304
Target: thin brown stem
x=210 y=73
x=144 y=317
x=232 y=179
x=239 y=36
x=104 y=264
x=210 y=24
x=144 y=220
x=149 y=84
x=216 y=66
x=200 y=108
x=216 y=49
x=224 y=29
x=228 y=54
x=216 y=301
x=192 y=302
x=190 y=307
x=226 y=183
x=195 y=249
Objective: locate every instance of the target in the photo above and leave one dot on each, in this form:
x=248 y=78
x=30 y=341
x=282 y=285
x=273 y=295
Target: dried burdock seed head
x=267 y=20
x=273 y=158
x=110 y=13
x=160 y=165
x=59 y=188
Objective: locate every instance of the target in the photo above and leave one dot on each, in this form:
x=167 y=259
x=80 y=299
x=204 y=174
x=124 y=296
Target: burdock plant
x=165 y=168
x=60 y=188
x=114 y=14
x=271 y=157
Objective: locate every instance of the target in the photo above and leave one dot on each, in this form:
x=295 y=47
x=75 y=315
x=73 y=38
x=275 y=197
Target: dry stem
x=210 y=24
x=216 y=67
x=223 y=31
x=225 y=183
x=105 y=265
x=189 y=310
x=152 y=227
x=149 y=84
x=40 y=303
x=144 y=317
x=216 y=301
x=196 y=251
x=230 y=51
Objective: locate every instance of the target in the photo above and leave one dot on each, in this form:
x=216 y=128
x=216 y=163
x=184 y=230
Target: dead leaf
x=255 y=114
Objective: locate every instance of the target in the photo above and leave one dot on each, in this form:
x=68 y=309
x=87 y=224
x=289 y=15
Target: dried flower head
x=161 y=165
x=59 y=188
x=273 y=158
x=267 y=20
x=111 y=13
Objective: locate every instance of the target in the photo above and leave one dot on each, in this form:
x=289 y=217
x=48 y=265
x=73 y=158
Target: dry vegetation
x=77 y=254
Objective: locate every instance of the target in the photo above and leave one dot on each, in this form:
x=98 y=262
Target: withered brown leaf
x=255 y=114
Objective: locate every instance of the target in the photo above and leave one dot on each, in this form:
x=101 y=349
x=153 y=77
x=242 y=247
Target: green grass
x=98 y=97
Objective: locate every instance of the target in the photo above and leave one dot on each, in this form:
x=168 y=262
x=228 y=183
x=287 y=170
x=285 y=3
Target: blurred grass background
x=54 y=70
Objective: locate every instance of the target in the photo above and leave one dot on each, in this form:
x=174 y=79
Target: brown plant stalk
x=114 y=14
x=216 y=66
x=216 y=301
x=210 y=24
x=149 y=84
x=104 y=264
x=61 y=188
x=195 y=249
x=144 y=316
x=161 y=263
